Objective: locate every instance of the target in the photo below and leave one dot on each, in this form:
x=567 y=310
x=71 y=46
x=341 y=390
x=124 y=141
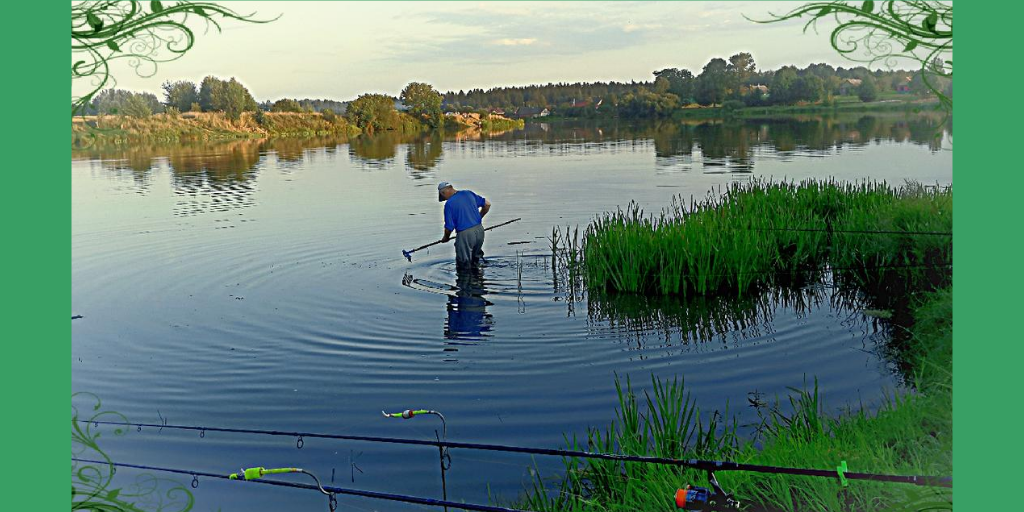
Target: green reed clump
x=911 y=257
x=757 y=232
x=667 y=423
x=909 y=434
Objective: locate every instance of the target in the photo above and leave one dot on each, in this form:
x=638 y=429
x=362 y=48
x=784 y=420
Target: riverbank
x=204 y=126
x=840 y=105
x=909 y=434
x=215 y=126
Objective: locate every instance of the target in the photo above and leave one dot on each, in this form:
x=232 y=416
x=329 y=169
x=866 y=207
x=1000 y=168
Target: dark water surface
x=262 y=285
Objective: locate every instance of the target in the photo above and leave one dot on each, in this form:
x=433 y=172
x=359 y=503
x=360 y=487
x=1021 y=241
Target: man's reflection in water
x=468 y=319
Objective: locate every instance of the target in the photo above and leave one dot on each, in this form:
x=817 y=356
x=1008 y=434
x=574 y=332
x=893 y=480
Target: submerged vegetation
x=760 y=233
x=910 y=434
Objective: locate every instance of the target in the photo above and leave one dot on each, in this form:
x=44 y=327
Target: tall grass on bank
x=909 y=435
x=759 y=232
x=204 y=126
x=500 y=124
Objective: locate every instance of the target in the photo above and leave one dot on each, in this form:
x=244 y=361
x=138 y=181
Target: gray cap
x=441 y=186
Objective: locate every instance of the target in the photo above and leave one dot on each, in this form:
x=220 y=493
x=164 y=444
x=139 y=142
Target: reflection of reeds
x=701 y=319
x=566 y=263
x=743 y=239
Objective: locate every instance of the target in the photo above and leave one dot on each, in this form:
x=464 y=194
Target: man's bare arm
x=447 y=236
x=485 y=208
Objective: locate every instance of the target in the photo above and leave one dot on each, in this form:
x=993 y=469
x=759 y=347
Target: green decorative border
x=92 y=484
x=106 y=31
x=35 y=365
x=987 y=351
x=887 y=34
x=37 y=213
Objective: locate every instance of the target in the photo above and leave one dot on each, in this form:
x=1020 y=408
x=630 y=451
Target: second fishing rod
x=699 y=464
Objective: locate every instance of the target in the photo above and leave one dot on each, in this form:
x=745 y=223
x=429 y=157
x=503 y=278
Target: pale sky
x=339 y=50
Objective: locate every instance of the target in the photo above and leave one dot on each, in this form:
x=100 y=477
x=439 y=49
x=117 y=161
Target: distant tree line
x=736 y=80
x=730 y=83
x=122 y=102
x=550 y=95
x=304 y=105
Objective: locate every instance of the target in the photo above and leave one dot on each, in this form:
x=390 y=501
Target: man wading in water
x=463 y=213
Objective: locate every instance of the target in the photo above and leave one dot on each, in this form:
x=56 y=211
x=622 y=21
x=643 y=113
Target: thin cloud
x=525 y=41
x=633 y=27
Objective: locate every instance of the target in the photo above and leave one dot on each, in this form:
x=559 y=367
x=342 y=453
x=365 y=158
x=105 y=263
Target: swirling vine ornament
x=106 y=31
x=907 y=30
x=91 y=484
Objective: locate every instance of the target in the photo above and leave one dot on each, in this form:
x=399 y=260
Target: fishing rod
x=257 y=473
x=698 y=464
x=408 y=254
x=444 y=457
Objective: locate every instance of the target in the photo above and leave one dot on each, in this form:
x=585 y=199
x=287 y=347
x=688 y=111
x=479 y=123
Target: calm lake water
x=262 y=285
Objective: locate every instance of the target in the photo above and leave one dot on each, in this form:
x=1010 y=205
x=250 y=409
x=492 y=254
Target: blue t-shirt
x=462 y=210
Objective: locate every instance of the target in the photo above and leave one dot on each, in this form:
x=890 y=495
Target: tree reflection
x=423 y=154
x=214 y=181
x=375 y=151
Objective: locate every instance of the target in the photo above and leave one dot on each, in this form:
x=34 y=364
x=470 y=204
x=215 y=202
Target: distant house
x=525 y=112
x=761 y=88
x=497 y=111
x=904 y=85
x=401 y=107
x=849 y=86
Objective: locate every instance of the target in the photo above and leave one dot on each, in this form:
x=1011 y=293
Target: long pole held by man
x=464 y=211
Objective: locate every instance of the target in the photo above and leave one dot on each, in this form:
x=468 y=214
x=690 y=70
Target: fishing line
x=857 y=231
x=653 y=273
x=706 y=465
x=444 y=456
x=326 y=490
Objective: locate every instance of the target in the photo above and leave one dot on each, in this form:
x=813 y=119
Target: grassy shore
x=204 y=126
x=888 y=103
x=910 y=434
x=500 y=124
x=900 y=103
x=759 y=233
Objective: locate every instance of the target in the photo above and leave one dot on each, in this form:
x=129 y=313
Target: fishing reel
x=702 y=498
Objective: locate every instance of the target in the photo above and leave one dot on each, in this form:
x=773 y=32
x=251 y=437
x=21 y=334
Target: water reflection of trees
x=423 y=151
x=423 y=154
x=297 y=149
x=376 y=151
x=217 y=181
x=715 y=145
x=220 y=176
x=208 y=176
